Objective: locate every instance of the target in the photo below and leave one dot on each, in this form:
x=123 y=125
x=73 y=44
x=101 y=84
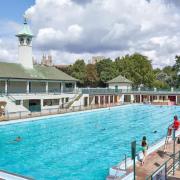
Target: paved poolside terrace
x=154 y=160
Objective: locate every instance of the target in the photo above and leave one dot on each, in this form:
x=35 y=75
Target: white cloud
x=70 y=29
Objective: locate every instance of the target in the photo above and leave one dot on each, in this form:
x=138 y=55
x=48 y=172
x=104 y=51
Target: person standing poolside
x=144 y=146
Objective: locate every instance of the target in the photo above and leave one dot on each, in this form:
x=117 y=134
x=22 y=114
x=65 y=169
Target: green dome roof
x=25 y=31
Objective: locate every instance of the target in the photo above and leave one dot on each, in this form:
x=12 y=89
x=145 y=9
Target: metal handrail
x=169 y=168
x=11 y=98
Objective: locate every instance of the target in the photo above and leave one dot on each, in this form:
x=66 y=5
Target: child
x=144 y=146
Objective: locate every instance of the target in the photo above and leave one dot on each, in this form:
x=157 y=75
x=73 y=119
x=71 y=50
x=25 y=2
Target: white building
x=28 y=87
x=121 y=83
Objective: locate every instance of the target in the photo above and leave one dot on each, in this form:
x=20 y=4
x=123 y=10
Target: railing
x=10 y=97
x=168 y=166
x=120 y=91
x=54 y=91
x=51 y=111
x=69 y=103
x=100 y=91
x=97 y=91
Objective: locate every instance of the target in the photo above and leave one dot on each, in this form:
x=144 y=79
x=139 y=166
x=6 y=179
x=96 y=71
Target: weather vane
x=25 y=18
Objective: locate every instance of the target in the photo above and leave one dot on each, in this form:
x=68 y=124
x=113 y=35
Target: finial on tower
x=25 y=18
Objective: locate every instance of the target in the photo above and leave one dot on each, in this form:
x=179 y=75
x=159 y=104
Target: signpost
x=133 y=156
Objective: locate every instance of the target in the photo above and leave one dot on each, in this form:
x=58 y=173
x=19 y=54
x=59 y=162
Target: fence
x=166 y=168
x=128 y=91
x=51 y=111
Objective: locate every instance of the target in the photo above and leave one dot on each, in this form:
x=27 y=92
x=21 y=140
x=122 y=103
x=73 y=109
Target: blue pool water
x=80 y=146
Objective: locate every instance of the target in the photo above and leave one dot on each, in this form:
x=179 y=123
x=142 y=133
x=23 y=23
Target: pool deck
x=154 y=160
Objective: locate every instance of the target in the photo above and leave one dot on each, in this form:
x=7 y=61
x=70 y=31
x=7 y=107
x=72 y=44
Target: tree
x=78 y=70
x=162 y=76
x=177 y=64
x=176 y=72
x=157 y=71
x=92 y=78
x=136 y=68
x=160 y=84
x=106 y=70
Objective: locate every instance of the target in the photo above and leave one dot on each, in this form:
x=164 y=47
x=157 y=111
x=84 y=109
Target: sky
x=79 y=29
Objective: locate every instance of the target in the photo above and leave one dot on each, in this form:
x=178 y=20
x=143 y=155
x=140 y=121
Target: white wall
x=25 y=56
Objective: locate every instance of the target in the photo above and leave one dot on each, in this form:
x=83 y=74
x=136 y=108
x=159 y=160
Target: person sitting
x=176 y=123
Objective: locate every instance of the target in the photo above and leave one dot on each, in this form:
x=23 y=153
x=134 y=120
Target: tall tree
x=78 y=70
x=92 y=78
x=106 y=70
x=137 y=68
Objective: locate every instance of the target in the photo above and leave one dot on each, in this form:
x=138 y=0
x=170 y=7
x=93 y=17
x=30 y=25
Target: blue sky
x=14 y=9
x=79 y=29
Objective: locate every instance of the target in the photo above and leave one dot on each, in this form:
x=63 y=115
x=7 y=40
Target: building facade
x=120 y=82
x=31 y=87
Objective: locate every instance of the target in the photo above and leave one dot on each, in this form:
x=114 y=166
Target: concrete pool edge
x=118 y=171
x=6 y=122
x=60 y=115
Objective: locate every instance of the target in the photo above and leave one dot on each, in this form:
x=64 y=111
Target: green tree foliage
x=106 y=70
x=162 y=76
x=92 y=78
x=160 y=84
x=156 y=71
x=137 y=68
x=78 y=70
x=177 y=64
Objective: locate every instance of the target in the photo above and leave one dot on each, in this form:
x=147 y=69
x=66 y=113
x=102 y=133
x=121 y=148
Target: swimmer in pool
x=154 y=131
x=18 y=139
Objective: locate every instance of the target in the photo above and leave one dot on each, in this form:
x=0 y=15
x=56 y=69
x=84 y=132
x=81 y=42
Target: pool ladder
x=168 y=135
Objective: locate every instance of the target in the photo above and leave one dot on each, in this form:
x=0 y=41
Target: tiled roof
x=17 y=71
x=119 y=79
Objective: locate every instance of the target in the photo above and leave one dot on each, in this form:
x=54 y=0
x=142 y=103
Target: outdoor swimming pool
x=80 y=146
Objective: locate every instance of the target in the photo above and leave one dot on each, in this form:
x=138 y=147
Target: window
x=18 y=102
x=28 y=41
x=21 y=40
x=67 y=99
x=51 y=102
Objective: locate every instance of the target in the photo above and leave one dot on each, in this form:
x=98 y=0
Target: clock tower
x=25 y=46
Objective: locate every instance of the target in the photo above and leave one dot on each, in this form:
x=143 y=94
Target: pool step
x=4 y=175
